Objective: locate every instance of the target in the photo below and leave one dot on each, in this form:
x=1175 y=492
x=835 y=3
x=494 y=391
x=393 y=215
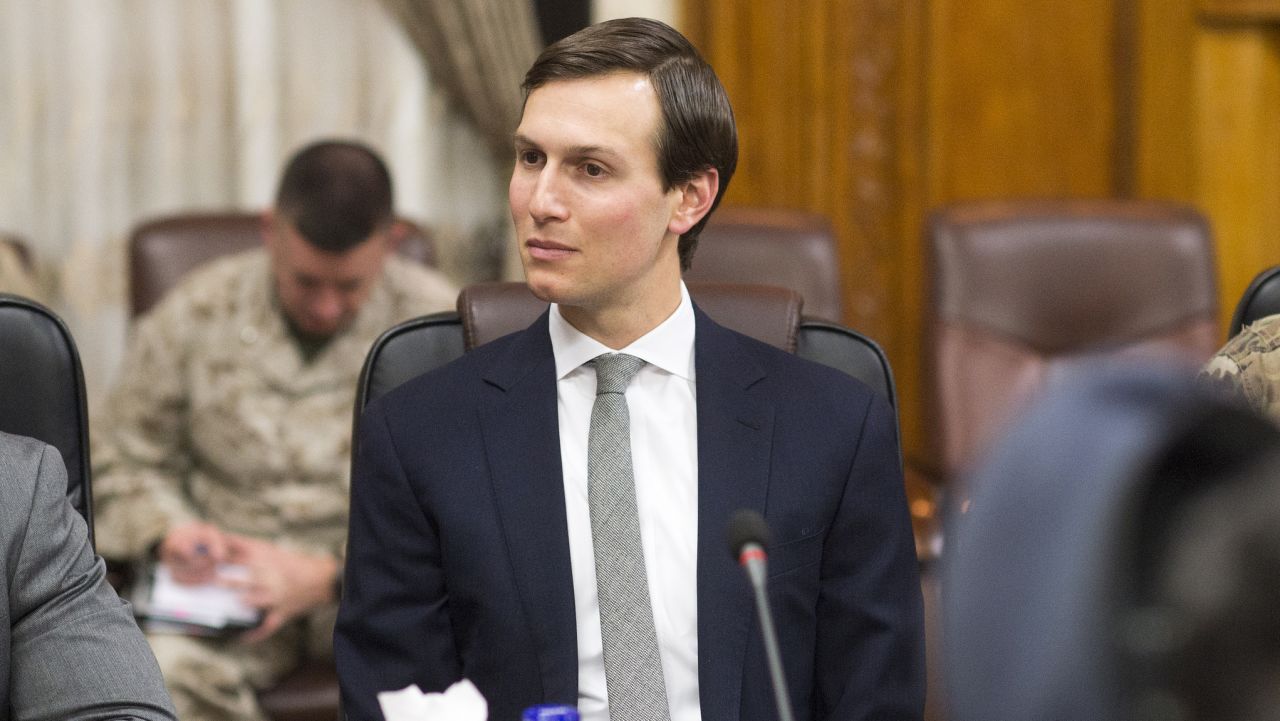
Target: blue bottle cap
x=547 y=712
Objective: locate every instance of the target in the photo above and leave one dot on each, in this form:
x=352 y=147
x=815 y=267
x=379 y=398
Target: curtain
x=480 y=50
x=115 y=111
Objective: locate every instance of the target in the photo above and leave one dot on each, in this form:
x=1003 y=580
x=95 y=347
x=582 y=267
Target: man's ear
x=396 y=234
x=695 y=199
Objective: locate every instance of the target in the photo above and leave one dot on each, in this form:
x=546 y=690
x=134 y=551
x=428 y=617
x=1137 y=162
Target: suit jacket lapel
x=522 y=442
x=735 y=428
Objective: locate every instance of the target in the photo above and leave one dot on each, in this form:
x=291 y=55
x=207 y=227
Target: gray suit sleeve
x=76 y=652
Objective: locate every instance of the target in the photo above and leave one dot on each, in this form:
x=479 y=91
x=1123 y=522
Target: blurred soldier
x=227 y=437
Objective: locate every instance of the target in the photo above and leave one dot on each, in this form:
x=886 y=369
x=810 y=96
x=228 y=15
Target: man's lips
x=547 y=249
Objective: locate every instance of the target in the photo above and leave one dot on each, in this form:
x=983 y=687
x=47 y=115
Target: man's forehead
x=302 y=258
x=585 y=116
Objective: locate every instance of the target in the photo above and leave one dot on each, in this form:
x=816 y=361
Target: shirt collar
x=669 y=346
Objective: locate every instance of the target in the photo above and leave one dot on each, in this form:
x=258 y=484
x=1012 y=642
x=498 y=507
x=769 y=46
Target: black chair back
x=1260 y=299
x=42 y=390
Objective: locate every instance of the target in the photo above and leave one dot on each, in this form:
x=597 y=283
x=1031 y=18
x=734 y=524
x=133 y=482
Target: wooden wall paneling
x=1165 y=150
x=815 y=87
x=1237 y=115
x=867 y=207
x=911 y=168
x=814 y=69
x=1021 y=98
x=1126 y=16
x=1241 y=10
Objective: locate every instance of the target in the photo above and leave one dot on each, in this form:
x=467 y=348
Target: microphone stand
x=753 y=559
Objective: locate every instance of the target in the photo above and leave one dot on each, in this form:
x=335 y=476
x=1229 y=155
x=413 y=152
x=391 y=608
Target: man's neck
x=618 y=326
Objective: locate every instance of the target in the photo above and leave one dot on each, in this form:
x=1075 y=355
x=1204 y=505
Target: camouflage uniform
x=1248 y=367
x=218 y=417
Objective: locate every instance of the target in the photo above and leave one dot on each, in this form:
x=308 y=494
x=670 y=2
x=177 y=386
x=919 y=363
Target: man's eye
x=593 y=170
x=530 y=157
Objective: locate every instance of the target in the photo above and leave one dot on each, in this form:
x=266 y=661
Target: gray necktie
x=632 y=665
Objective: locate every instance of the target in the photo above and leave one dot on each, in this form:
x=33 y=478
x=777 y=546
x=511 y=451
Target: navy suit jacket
x=458 y=556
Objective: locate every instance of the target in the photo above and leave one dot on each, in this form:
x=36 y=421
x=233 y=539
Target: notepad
x=194 y=608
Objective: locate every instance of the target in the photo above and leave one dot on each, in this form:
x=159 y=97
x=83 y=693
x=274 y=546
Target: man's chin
x=317 y=336
x=547 y=289
x=313 y=333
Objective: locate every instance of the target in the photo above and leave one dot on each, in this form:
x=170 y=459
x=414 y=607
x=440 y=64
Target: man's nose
x=545 y=201
x=327 y=305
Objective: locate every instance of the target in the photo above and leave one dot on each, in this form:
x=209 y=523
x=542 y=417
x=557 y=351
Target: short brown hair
x=698 y=130
x=336 y=193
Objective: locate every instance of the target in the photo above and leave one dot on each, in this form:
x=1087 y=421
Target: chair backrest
x=42 y=390
x=773 y=246
x=767 y=313
x=1260 y=299
x=491 y=310
x=163 y=250
x=1022 y=289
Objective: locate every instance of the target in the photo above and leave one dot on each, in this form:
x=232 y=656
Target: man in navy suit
x=470 y=553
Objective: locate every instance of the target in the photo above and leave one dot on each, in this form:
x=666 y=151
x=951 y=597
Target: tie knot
x=614 y=371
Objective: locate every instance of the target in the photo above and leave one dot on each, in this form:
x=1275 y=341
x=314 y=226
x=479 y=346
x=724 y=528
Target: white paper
x=460 y=702
x=205 y=604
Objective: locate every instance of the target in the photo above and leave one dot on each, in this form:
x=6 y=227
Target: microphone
x=748 y=537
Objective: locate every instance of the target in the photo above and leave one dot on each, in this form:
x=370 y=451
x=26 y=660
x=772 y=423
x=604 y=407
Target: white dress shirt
x=664 y=456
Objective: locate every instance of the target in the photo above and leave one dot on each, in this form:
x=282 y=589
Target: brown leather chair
x=773 y=246
x=1024 y=289
x=163 y=250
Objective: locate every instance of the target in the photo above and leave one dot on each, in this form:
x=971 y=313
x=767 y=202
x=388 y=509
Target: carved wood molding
x=871 y=213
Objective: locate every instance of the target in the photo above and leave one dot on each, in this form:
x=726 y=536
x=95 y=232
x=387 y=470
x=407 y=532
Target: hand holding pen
x=193 y=551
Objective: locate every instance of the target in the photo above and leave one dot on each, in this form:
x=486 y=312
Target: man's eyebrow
x=594 y=151
x=573 y=151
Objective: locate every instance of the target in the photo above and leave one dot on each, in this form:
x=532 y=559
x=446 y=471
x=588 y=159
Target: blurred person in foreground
x=493 y=520
x=226 y=439
x=1118 y=558
x=69 y=648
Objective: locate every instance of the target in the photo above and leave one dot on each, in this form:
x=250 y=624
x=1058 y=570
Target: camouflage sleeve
x=139 y=452
x=1247 y=368
x=1222 y=374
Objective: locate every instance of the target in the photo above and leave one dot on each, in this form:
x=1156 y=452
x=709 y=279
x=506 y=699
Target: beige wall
x=664 y=10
